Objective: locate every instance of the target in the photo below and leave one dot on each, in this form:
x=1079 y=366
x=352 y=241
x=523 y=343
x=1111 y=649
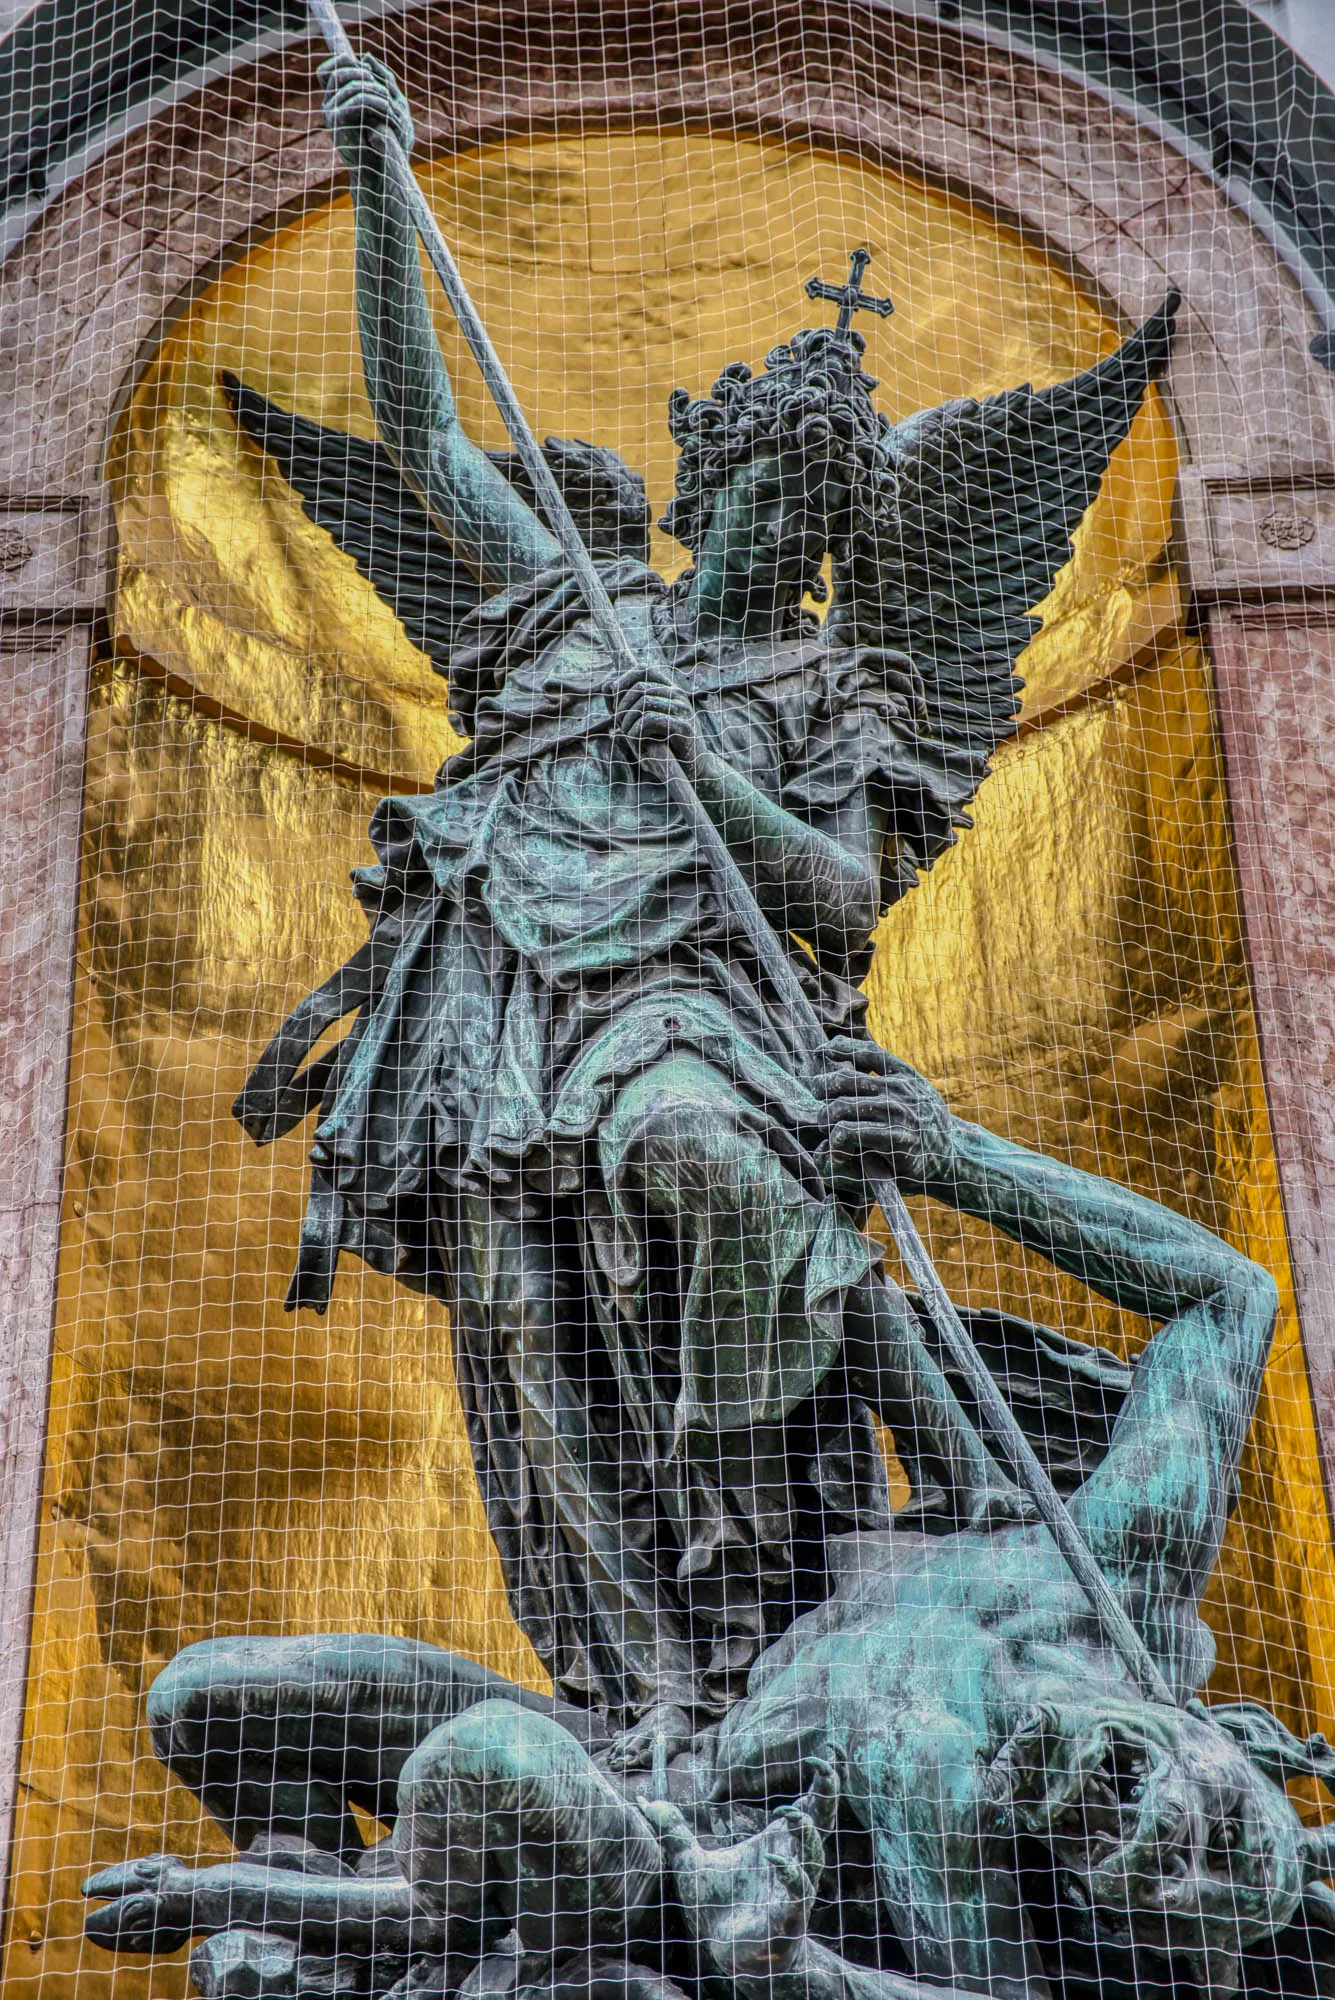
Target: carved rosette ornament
x=15 y=550
x=1288 y=530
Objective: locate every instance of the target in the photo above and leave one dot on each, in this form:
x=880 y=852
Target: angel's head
x=776 y=471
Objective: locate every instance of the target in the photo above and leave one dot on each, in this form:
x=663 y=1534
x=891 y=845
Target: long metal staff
x=997 y=1415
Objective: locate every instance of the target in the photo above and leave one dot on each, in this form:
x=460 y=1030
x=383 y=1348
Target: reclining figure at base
x=942 y=1777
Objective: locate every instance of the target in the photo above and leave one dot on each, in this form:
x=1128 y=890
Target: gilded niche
x=1073 y=974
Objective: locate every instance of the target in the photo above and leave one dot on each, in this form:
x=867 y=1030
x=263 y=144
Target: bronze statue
x=573 y=1107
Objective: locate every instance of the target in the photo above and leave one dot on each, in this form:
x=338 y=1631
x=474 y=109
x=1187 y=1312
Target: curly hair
x=813 y=399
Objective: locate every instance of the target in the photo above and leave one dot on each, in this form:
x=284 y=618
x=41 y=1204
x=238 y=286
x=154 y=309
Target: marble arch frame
x=116 y=253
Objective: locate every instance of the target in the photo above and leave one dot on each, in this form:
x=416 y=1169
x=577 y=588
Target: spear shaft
x=998 y=1418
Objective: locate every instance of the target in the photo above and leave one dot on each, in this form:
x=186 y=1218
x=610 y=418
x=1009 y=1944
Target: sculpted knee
x=195 y=1691
x=503 y=1818
x=219 y=1690
x=678 y=1121
x=1261 y=1290
x=459 y=1795
x=495 y=1743
x=176 y=1689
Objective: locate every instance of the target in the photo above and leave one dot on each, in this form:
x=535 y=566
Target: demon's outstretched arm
x=1155 y=1509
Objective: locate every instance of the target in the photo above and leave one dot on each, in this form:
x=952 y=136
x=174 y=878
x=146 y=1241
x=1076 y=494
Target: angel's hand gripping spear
x=1005 y=1433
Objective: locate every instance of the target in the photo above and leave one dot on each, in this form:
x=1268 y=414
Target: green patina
x=797 y=1744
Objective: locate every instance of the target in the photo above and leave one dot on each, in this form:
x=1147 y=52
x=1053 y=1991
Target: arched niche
x=87 y=297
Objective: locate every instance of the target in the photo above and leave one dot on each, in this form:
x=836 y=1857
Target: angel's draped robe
x=570 y=1108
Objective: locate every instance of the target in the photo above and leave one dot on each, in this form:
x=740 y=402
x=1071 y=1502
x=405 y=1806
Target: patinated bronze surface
x=570 y=1107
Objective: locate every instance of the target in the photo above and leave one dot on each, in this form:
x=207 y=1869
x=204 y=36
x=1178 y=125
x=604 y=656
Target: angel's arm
x=487 y=523
x=820 y=881
x=819 y=878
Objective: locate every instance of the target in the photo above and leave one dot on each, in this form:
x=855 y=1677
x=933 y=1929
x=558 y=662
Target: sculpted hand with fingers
x=881 y=1117
x=362 y=103
x=652 y=712
x=749 y=1905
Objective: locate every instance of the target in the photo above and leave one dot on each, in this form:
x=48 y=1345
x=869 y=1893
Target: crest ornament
x=1288 y=530
x=16 y=551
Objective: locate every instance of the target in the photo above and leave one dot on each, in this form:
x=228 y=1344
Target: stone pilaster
x=1261 y=548
x=45 y=567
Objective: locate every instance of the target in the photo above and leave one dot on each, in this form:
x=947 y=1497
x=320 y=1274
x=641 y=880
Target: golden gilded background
x=1072 y=973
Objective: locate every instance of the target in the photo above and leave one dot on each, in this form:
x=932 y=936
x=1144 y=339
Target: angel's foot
x=150 y=1906
x=653 y=1742
x=979 y=1507
x=1000 y=1505
x=928 y=1508
x=748 y=1906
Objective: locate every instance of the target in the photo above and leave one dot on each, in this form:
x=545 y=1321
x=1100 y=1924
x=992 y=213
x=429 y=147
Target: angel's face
x=771 y=527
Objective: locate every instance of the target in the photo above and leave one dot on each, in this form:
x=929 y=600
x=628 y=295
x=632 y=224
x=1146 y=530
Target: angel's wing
x=353 y=490
x=989 y=495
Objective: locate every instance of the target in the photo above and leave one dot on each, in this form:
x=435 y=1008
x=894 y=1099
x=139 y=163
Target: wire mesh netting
x=601 y=1571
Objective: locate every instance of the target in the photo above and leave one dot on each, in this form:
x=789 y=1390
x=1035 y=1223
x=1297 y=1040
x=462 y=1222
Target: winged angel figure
x=570 y=1105
x=885 y=1764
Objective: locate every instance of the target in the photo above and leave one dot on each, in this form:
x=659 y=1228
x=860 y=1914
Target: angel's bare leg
x=682 y=1139
x=889 y=1365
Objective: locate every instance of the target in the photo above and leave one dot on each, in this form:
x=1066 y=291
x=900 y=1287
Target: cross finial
x=849 y=298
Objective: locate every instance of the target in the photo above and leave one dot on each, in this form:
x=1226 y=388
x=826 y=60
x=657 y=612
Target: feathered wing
x=353 y=490
x=989 y=494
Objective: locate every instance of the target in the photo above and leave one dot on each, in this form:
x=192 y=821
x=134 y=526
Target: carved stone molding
x=1269 y=535
x=46 y=568
x=43 y=679
x=82 y=298
x=49 y=590
x=1275 y=678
